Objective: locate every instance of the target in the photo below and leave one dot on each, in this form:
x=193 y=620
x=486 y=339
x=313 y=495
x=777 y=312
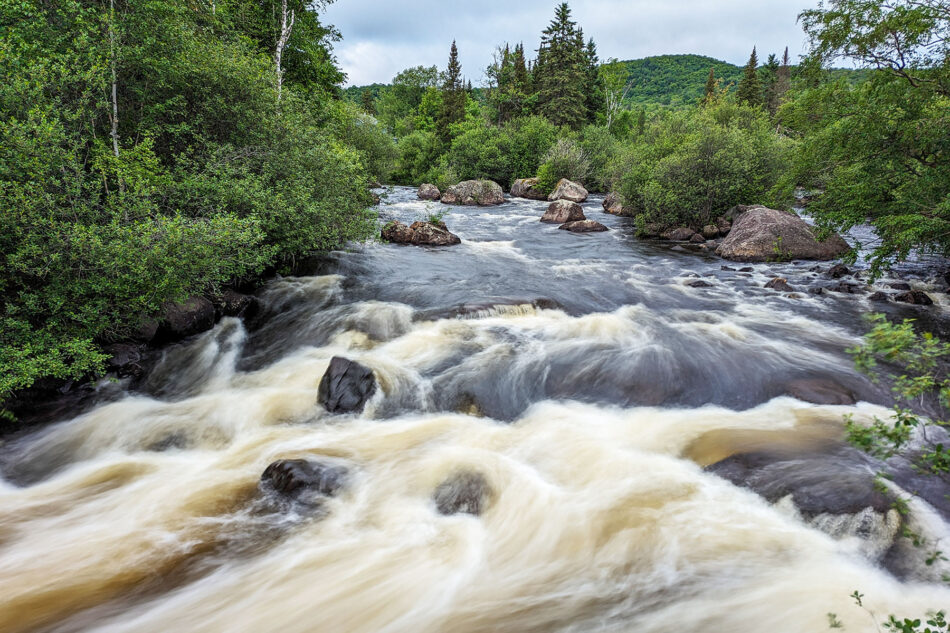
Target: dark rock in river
x=838 y=271
x=819 y=391
x=846 y=288
x=464 y=492
x=527 y=188
x=236 y=304
x=710 y=231
x=428 y=191
x=698 y=283
x=346 y=386
x=879 y=296
x=697 y=239
x=760 y=234
x=900 y=285
x=681 y=234
x=568 y=190
x=303 y=480
x=583 y=226
x=185 y=319
x=125 y=359
x=474 y=192
x=420 y=234
x=561 y=211
x=915 y=297
x=779 y=284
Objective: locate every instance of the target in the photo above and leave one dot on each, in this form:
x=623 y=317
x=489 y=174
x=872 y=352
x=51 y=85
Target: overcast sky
x=380 y=38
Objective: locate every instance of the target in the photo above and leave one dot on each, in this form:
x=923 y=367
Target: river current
x=582 y=375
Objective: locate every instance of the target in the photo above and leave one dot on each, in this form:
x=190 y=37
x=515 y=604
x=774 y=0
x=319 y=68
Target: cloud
x=382 y=38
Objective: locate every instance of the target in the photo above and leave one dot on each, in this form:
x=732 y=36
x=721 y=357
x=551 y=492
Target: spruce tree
x=560 y=72
x=712 y=86
x=769 y=78
x=749 y=91
x=784 y=81
x=596 y=103
x=453 y=96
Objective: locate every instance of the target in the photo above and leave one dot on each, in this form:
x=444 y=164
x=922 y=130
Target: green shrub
x=566 y=159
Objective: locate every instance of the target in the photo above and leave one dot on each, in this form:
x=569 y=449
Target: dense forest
x=156 y=150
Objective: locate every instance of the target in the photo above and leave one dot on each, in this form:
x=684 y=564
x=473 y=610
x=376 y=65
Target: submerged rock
x=838 y=271
x=474 y=192
x=125 y=359
x=304 y=480
x=236 y=304
x=698 y=283
x=561 y=211
x=760 y=234
x=780 y=284
x=428 y=191
x=916 y=297
x=464 y=492
x=819 y=391
x=527 y=188
x=583 y=226
x=879 y=296
x=568 y=190
x=346 y=386
x=420 y=234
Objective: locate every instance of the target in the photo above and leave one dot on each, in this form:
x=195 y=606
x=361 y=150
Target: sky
x=380 y=38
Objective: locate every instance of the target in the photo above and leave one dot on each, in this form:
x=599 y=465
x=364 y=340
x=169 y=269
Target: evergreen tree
x=769 y=79
x=453 y=96
x=367 y=102
x=560 y=72
x=641 y=122
x=784 y=81
x=596 y=103
x=750 y=88
x=712 y=87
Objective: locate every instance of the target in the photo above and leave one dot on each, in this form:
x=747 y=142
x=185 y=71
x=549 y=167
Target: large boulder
x=613 y=204
x=346 y=386
x=561 y=211
x=237 y=304
x=185 y=319
x=583 y=226
x=527 y=188
x=474 y=192
x=568 y=190
x=464 y=492
x=428 y=191
x=820 y=391
x=760 y=234
x=420 y=234
x=916 y=297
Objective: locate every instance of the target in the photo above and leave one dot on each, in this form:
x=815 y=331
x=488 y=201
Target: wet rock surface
x=568 y=190
x=474 y=193
x=465 y=492
x=305 y=481
x=428 y=191
x=527 y=188
x=820 y=391
x=561 y=211
x=762 y=234
x=346 y=386
x=583 y=226
x=420 y=234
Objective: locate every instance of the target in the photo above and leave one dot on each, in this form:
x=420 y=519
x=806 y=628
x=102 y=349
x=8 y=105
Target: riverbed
x=587 y=378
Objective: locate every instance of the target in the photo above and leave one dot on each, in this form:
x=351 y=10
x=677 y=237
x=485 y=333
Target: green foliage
x=561 y=72
x=916 y=366
x=566 y=159
x=749 y=91
x=454 y=97
x=880 y=150
x=690 y=167
x=208 y=180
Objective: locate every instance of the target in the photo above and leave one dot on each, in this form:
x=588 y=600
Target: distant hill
x=672 y=80
x=667 y=80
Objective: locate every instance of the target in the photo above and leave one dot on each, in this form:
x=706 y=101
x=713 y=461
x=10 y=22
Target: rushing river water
x=580 y=375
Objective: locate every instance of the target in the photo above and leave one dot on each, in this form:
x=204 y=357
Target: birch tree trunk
x=285 y=29
x=114 y=118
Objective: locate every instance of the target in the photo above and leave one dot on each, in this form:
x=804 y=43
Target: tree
x=615 y=86
x=453 y=96
x=769 y=78
x=711 y=89
x=880 y=150
x=561 y=71
x=749 y=91
x=367 y=102
x=596 y=102
x=783 y=81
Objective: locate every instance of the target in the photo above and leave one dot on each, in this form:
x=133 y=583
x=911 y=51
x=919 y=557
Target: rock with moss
x=761 y=234
x=420 y=234
x=481 y=193
x=561 y=211
x=613 y=204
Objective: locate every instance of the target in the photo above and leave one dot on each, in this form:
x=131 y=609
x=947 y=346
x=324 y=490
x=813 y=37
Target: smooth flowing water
x=580 y=375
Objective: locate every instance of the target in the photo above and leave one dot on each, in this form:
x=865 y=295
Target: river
x=581 y=375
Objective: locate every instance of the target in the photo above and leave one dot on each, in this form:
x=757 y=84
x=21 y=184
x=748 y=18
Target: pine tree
x=453 y=97
x=784 y=81
x=596 y=103
x=560 y=71
x=750 y=89
x=712 y=87
x=769 y=78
